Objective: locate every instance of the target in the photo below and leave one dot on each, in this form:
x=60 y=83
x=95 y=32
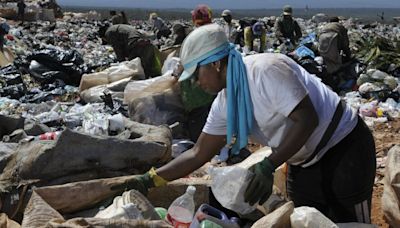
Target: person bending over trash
x=333 y=40
x=286 y=27
x=251 y=33
x=159 y=27
x=128 y=43
x=179 y=32
x=116 y=19
x=268 y=97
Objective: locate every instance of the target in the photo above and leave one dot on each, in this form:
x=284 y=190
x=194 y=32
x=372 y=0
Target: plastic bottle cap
x=191 y=190
x=162 y=212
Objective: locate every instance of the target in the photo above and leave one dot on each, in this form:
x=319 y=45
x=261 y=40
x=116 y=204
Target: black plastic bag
x=10 y=75
x=56 y=64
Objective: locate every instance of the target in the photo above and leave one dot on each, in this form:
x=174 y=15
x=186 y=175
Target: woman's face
x=209 y=78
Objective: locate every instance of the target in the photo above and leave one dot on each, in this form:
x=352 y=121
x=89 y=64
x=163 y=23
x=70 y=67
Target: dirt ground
x=386 y=136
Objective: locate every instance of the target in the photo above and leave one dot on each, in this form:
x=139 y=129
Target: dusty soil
x=386 y=136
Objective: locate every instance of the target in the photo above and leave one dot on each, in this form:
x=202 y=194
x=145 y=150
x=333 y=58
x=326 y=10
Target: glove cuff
x=268 y=164
x=156 y=179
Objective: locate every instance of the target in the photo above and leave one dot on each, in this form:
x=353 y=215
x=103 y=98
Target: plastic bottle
x=49 y=136
x=181 y=211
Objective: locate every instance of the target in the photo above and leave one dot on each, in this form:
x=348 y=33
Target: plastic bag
x=309 y=217
x=157 y=109
x=66 y=65
x=129 y=69
x=391 y=190
x=229 y=185
x=170 y=63
x=369 y=109
x=130 y=205
x=143 y=88
x=304 y=51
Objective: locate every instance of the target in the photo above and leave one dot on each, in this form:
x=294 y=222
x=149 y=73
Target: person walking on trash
x=268 y=97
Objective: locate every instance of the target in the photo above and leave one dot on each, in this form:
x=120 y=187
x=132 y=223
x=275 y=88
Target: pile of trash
x=46 y=10
x=75 y=121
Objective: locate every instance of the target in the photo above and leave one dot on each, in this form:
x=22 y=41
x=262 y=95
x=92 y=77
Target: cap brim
x=187 y=73
x=287 y=13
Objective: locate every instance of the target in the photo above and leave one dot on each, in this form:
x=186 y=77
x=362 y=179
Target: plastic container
x=208 y=216
x=181 y=211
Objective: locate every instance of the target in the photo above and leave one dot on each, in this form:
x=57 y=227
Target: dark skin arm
x=305 y=121
x=207 y=146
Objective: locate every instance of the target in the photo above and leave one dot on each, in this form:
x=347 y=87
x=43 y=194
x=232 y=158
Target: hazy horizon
x=233 y=4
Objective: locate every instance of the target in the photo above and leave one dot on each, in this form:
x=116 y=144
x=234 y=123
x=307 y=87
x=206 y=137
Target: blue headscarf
x=240 y=107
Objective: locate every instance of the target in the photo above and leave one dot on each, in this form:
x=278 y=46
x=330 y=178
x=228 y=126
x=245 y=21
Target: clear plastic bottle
x=181 y=211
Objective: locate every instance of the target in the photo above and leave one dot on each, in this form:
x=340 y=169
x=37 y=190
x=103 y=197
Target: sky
x=235 y=4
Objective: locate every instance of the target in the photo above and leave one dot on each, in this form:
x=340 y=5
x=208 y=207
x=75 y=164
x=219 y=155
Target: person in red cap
x=201 y=15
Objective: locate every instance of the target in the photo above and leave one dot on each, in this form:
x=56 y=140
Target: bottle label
x=177 y=224
x=48 y=136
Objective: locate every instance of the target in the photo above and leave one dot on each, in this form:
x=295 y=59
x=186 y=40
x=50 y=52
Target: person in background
x=116 y=18
x=179 y=33
x=4 y=29
x=251 y=33
x=128 y=43
x=201 y=15
x=334 y=44
x=196 y=101
x=159 y=27
x=286 y=27
x=21 y=10
x=228 y=25
x=124 y=18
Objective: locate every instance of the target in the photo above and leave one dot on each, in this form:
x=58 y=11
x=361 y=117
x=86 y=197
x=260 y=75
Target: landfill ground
x=386 y=136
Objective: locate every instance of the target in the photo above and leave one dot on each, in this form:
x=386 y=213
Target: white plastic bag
x=229 y=185
x=309 y=217
x=170 y=63
x=128 y=69
x=144 y=88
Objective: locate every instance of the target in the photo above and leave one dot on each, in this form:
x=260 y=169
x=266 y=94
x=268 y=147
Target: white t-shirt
x=277 y=85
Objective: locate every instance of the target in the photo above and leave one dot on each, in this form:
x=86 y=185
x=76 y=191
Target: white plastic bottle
x=181 y=211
